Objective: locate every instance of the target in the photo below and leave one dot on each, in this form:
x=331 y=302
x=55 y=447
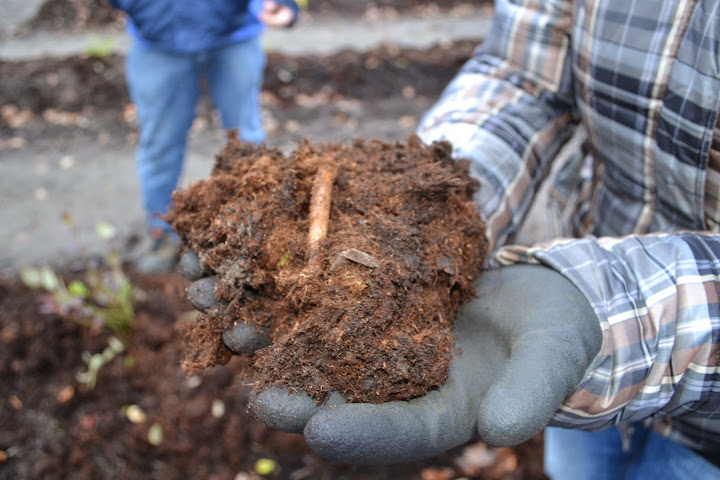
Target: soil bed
x=82 y=81
x=364 y=308
x=54 y=428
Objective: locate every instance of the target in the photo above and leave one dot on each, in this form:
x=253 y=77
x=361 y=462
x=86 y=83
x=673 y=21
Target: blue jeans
x=574 y=454
x=165 y=88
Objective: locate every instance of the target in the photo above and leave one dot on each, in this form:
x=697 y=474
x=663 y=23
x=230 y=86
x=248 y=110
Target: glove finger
x=394 y=432
x=287 y=412
x=189 y=266
x=201 y=293
x=245 y=338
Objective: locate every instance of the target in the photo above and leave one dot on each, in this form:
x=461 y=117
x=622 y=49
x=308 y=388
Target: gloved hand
x=522 y=346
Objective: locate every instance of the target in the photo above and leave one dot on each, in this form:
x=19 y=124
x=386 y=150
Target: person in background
x=176 y=44
x=609 y=332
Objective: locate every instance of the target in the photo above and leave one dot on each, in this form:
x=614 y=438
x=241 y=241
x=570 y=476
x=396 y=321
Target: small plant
x=96 y=361
x=99 y=47
x=104 y=298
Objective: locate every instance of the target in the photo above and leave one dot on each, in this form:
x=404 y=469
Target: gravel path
x=15 y=13
x=313 y=36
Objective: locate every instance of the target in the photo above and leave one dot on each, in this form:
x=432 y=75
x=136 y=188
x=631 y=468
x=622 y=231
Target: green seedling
x=96 y=361
x=100 y=47
x=104 y=298
x=284 y=260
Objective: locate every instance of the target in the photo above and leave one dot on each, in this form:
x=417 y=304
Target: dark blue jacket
x=192 y=25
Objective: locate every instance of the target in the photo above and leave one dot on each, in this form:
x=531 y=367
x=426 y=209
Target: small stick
x=319 y=212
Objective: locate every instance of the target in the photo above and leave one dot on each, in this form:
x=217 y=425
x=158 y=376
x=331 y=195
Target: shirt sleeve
x=656 y=296
x=123 y=5
x=510 y=109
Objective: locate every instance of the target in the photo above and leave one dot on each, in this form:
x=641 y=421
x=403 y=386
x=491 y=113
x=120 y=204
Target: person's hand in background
x=276 y=14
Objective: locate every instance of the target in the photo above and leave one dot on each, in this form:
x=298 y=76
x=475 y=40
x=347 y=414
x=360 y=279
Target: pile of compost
x=354 y=258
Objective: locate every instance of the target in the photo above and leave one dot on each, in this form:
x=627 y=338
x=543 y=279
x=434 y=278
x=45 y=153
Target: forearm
x=657 y=300
x=510 y=109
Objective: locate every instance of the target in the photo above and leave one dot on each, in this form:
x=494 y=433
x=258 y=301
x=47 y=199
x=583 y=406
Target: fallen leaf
x=66 y=394
x=476 y=458
x=445 y=473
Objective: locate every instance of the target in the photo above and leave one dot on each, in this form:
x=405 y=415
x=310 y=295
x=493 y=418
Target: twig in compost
x=319 y=212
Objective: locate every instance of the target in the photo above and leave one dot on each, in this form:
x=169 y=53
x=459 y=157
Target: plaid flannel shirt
x=638 y=208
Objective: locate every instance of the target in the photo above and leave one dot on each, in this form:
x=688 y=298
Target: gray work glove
x=242 y=338
x=522 y=346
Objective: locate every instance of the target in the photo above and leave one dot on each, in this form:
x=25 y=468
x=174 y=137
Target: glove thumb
x=545 y=366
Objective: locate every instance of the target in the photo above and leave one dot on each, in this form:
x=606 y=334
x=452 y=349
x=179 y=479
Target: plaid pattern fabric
x=640 y=206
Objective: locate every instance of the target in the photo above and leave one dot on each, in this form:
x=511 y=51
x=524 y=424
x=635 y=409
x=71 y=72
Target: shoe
x=163 y=255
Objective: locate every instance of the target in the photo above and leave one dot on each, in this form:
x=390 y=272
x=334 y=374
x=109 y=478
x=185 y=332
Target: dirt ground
x=81 y=95
x=53 y=426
